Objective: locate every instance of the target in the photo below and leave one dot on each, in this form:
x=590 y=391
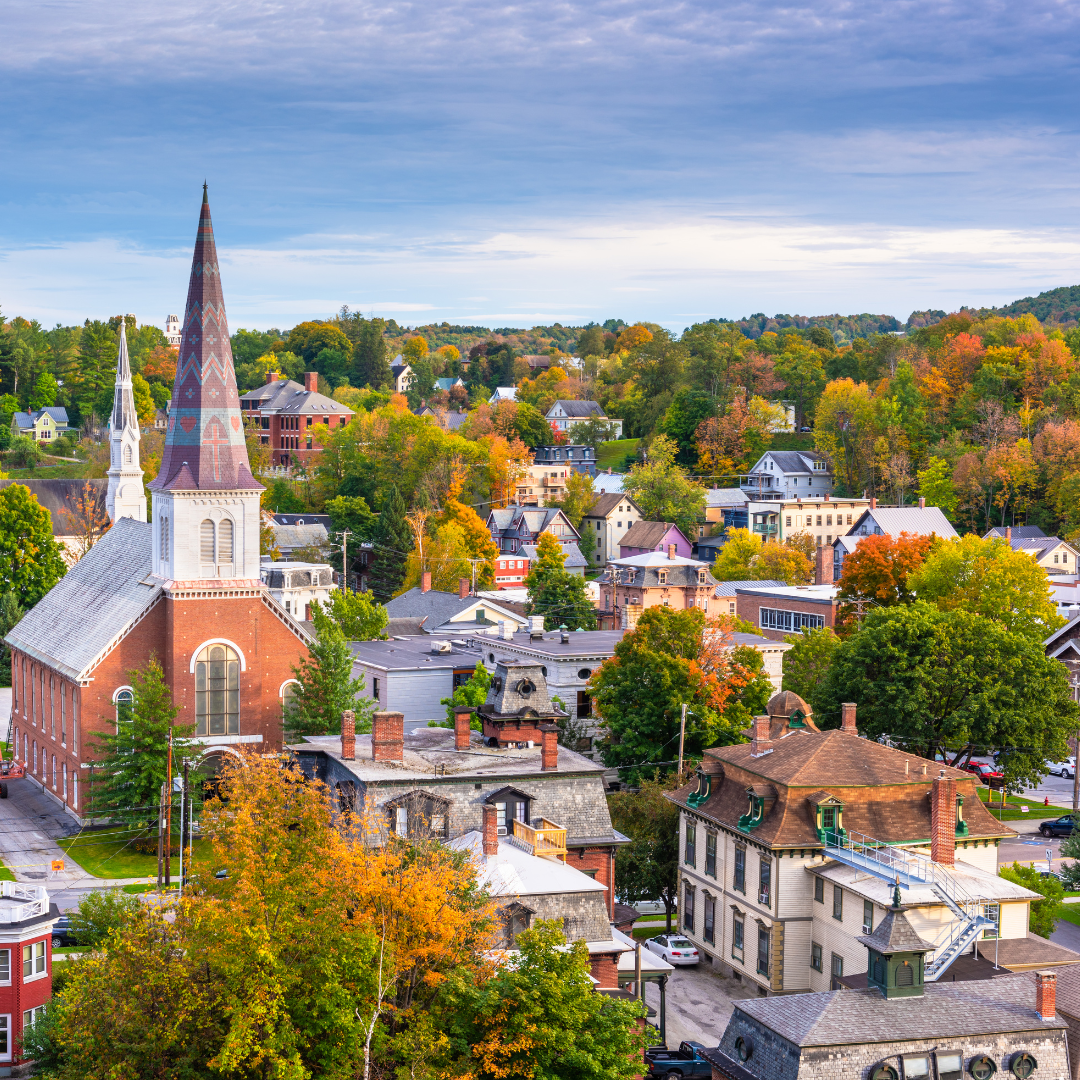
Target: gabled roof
x=650 y=534
x=726 y=497
x=919 y=521
x=1037 y=545
x=794 y=461
x=605 y=504
x=504 y=393
x=396 y=369
x=93 y=604
x=297 y=536
x=1019 y=532
x=508 y=519
x=440 y=607
x=29 y=419
x=583 y=409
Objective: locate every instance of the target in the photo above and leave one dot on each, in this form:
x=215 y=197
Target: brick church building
x=183 y=587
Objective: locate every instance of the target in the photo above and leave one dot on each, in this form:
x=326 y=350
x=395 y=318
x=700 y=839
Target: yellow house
x=45 y=425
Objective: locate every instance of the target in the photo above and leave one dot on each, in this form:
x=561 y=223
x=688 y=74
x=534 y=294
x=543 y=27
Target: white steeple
x=126 y=497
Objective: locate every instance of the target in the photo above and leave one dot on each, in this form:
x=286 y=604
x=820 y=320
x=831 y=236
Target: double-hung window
x=765 y=883
x=710 y=854
x=737 y=931
x=710 y=919
x=739 y=877
x=690 y=854
x=819 y=890
x=33 y=960
x=763 y=951
x=688 y=907
x=868 y=917
x=838 y=903
x=5 y=966
x=815 y=956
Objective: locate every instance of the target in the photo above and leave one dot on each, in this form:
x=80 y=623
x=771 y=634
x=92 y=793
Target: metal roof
x=920 y=521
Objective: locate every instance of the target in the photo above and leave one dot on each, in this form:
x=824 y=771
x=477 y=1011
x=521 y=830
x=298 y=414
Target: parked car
x=686 y=1061
x=674 y=948
x=984 y=772
x=1065 y=769
x=1062 y=826
x=61 y=933
x=647 y=907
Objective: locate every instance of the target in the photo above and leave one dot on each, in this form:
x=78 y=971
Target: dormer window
x=662 y=577
x=418 y=815
x=512 y=805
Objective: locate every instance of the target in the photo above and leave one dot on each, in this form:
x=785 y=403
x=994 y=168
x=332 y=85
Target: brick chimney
x=549 y=747
x=425 y=581
x=943 y=820
x=671 y=549
x=823 y=566
x=1046 y=994
x=1008 y=532
x=311 y=381
x=388 y=736
x=463 y=586
x=272 y=377
x=922 y=503
x=847 y=718
x=348 y=735
x=462 y=728
x=761 y=736
x=491 y=829
x=873 y=503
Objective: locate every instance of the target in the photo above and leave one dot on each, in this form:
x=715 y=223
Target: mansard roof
x=205 y=436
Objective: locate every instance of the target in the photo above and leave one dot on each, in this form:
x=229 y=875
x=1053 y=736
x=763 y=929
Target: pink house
x=645 y=536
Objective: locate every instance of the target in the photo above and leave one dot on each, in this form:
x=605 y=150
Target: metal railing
x=765 y=529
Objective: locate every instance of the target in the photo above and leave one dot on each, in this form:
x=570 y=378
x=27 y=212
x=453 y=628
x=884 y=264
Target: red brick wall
x=605 y=970
x=747 y=607
x=17 y=997
x=602 y=860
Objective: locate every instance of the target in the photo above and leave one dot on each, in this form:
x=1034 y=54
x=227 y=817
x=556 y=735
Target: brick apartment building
x=780 y=611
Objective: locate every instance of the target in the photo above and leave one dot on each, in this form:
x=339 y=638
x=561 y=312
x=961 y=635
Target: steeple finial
x=896 y=896
x=205 y=196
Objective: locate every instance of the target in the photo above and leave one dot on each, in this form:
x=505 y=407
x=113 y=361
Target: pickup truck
x=686 y=1061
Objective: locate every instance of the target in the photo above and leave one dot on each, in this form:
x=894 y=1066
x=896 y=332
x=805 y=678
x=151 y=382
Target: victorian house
x=791 y=846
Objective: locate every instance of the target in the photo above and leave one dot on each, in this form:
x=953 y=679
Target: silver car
x=1066 y=768
x=674 y=948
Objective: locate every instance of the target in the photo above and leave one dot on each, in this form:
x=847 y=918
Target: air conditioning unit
x=439 y=647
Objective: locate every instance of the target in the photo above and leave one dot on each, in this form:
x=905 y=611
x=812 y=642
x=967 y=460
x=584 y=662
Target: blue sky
x=512 y=164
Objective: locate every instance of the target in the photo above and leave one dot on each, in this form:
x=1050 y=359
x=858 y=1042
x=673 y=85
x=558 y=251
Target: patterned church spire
x=204 y=445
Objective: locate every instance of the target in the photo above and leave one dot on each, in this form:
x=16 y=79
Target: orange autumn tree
x=878 y=570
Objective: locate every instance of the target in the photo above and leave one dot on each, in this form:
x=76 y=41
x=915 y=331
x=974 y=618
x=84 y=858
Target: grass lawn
x=106 y=853
x=610 y=455
x=149 y=887
x=51 y=469
x=1012 y=811
x=792 y=440
x=5 y=873
x=1069 y=913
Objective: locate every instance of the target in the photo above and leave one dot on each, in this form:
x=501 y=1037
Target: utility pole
x=168 y=815
x=1074 y=682
x=682 y=736
x=345 y=560
x=160 y=824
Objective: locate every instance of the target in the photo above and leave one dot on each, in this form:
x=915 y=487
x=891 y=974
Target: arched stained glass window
x=206 y=541
x=217 y=691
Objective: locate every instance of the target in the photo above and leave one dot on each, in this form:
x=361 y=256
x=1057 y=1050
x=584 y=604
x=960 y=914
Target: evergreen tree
x=327 y=687
x=10 y=614
x=393 y=542
x=371 y=365
x=555 y=593
x=132 y=760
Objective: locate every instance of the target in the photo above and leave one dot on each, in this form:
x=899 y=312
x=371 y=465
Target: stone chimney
x=491 y=829
x=506 y=630
x=873 y=503
x=847 y=718
x=922 y=503
x=388 y=736
x=671 y=549
x=823 y=566
x=1046 y=994
x=462 y=728
x=425 y=581
x=761 y=736
x=549 y=747
x=463 y=586
x=943 y=820
x=311 y=381
x=348 y=735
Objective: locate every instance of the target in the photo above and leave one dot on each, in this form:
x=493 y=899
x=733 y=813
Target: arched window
x=206 y=541
x=217 y=691
x=164 y=537
x=225 y=542
x=288 y=692
x=125 y=703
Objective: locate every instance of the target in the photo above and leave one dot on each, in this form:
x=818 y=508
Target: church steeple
x=206 y=502
x=205 y=448
x=125 y=496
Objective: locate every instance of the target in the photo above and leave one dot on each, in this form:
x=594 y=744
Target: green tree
x=132 y=761
x=281 y=498
x=249 y=345
x=803 y=373
x=950 y=681
x=663 y=491
x=101 y=912
x=591 y=432
x=44 y=392
x=684 y=415
x=31 y=562
x=349 y=513
x=541 y=1017
x=648 y=869
x=989 y=578
x=667 y=661
x=466 y=696
x=936 y=486
x=359 y=615
x=333 y=365
x=1043 y=919
x=393 y=543
x=371 y=364
x=734 y=559
x=531 y=427
x=24 y=452
x=326 y=686
x=806 y=663
x=308 y=339
x=554 y=592
x=10 y=613
x=421 y=385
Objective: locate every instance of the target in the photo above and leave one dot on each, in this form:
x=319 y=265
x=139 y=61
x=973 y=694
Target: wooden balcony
x=547 y=840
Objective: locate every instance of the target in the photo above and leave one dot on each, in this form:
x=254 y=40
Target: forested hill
x=1057 y=306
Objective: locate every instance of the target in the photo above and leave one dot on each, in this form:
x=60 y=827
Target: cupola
x=897 y=954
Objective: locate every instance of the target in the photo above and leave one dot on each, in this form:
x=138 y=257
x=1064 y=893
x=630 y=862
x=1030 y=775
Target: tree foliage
x=1043 y=919
x=806 y=663
x=359 y=616
x=554 y=592
x=663 y=490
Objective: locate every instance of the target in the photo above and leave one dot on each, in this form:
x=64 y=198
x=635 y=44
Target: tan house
x=792 y=846
x=1053 y=555
x=609 y=520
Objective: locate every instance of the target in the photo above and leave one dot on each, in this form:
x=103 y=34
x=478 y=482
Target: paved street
x=699 y=1003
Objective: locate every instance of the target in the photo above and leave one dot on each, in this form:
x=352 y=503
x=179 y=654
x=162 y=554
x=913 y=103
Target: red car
x=985 y=773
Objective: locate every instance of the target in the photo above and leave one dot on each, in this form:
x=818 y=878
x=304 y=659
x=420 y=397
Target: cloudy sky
x=512 y=164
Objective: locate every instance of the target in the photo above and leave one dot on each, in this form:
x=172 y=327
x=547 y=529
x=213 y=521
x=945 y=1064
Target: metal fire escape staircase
x=906 y=868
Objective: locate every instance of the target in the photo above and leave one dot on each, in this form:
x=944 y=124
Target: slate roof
x=302 y=519
x=681 y=574
x=290 y=537
x=1031 y=952
x=793 y=461
x=649 y=534
x=93 y=604
x=507 y=520
x=726 y=497
x=574 y=558
x=438 y=607
x=856 y=770
x=895 y=934
x=727 y=588
x=60 y=495
x=944 y=1011
x=1019 y=532
x=28 y=419
x=920 y=521
x=583 y=409
x=405 y=627
x=290 y=398
x=397 y=369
